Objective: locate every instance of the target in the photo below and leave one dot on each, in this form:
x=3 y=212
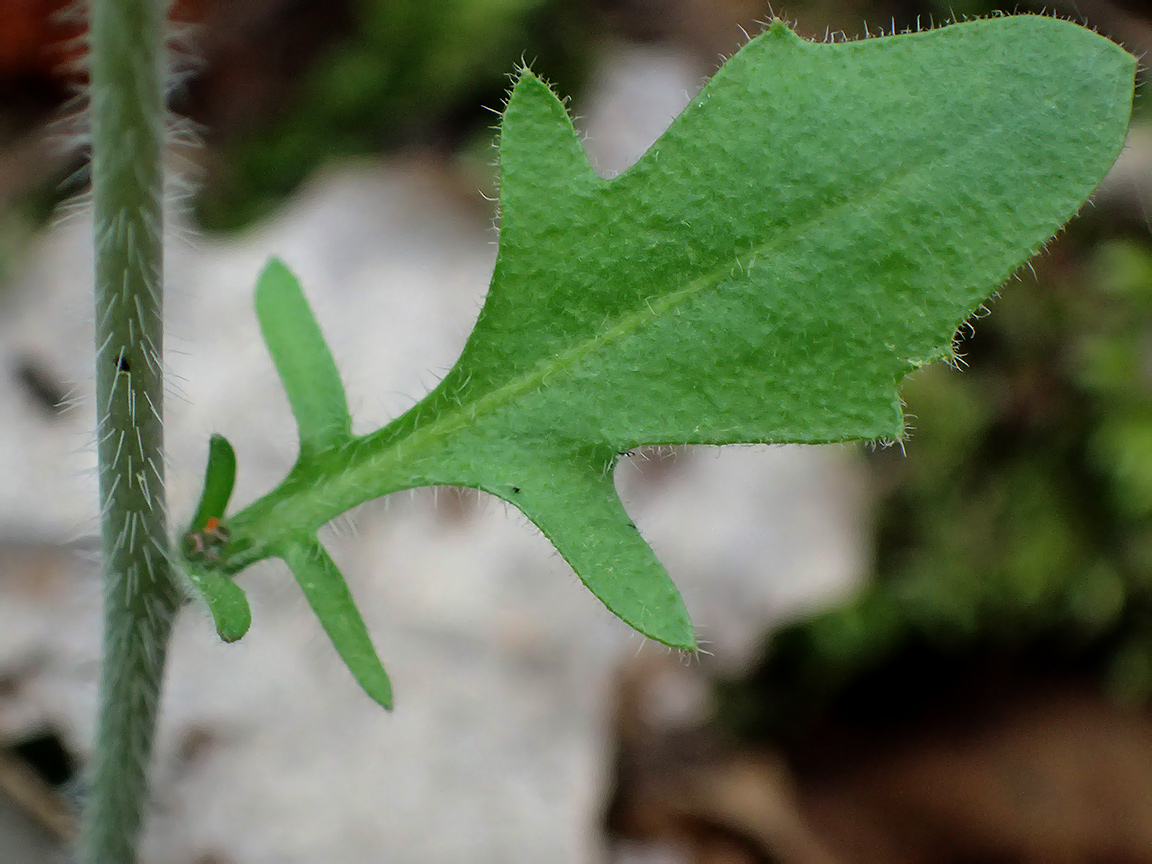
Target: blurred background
x=934 y=653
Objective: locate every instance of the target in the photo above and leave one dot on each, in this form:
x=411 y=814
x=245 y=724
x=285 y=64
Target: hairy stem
x=140 y=596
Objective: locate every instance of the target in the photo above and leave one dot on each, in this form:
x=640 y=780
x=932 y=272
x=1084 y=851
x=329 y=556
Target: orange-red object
x=37 y=37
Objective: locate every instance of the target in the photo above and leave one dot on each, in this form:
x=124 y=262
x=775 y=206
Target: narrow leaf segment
x=303 y=361
x=225 y=600
x=219 y=478
x=815 y=225
x=328 y=595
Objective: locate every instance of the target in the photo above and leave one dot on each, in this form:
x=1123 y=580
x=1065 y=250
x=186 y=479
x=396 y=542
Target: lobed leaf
x=816 y=224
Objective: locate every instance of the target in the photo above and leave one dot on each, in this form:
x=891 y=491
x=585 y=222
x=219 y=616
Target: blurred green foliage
x=408 y=71
x=1017 y=530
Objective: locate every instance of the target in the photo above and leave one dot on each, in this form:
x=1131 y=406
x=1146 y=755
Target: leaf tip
x=523 y=71
x=275 y=275
x=678 y=634
x=527 y=82
x=778 y=29
x=226 y=601
x=234 y=629
x=273 y=279
x=275 y=266
x=383 y=697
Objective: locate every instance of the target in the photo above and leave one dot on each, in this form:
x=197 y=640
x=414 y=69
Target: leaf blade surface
x=814 y=226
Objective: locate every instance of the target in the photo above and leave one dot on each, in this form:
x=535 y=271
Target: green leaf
x=226 y=600
x=219 y=478
x=328 y=595
x=815 y=225
x=204 y=541
x=303 y=361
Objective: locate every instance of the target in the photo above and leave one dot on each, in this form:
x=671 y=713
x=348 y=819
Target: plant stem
x=140 y=595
